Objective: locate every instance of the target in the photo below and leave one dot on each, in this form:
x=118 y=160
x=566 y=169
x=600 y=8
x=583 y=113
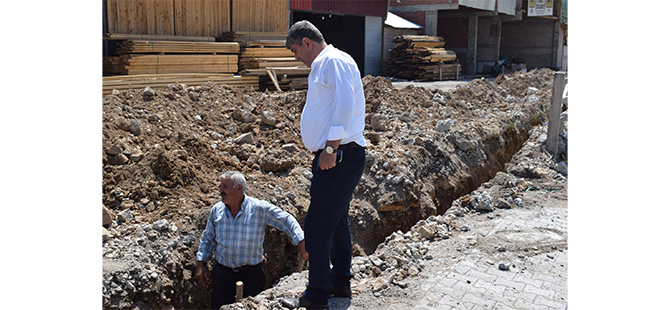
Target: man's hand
x=327 y=161
x=201 y=274
x=302 y=253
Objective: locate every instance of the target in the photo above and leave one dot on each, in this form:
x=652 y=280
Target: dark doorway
x=347 y=33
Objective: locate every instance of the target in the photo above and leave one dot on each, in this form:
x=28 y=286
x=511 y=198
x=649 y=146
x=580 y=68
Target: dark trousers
x=224 y=279
x=327 y=234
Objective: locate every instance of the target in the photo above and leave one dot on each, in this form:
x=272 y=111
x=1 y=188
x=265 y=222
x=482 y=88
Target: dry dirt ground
x=428 y=151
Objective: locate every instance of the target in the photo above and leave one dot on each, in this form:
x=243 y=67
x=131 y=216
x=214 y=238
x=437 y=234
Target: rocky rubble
x=164 y=148
x=397 y=267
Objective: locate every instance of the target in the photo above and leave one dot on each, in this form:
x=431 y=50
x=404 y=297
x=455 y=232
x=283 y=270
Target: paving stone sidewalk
x=474 y=279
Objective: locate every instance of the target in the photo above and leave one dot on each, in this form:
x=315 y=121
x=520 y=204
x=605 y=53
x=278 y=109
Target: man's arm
x=201 y=273
x=302 y=251
x=284 y=221
x=207 y=245
x=328 y=161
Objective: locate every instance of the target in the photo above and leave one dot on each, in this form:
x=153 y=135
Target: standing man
x=235 y=232
x=331 y=126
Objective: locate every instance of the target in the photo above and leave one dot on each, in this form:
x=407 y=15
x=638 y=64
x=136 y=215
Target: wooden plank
x=165 y=17
x=146 y=46
x=162 y=80
x=273 y=77
x=150 y=16
x=260 y=15
x=181 y=20
x=112 y=16
x=182 y=69
x=289 y=71
x=123 y=36
x=266 y=52
x=180 y=59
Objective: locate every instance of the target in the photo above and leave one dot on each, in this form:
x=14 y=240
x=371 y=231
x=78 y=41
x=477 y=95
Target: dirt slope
x=164 y=148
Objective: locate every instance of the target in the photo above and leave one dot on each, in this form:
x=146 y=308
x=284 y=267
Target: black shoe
x=294 y=303
x=343 y=291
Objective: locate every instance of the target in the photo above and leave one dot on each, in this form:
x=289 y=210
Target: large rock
x=106 y=216
x=482 y=202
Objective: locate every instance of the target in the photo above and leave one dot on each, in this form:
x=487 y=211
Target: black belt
x=240 y=268
x=350 y=145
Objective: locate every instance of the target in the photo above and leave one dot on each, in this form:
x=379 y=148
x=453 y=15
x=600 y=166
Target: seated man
x=235 y=232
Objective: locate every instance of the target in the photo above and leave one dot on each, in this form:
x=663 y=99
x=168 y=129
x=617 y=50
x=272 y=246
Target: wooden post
x=238 y=291
x=273 y=77
x=555 y=113
x=440 y=67
x=301 y=264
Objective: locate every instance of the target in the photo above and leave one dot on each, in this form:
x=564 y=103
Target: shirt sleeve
x=340 y=82
x=207 y=241
x=284 y=221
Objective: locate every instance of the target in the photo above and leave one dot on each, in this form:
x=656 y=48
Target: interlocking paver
x=536 y=279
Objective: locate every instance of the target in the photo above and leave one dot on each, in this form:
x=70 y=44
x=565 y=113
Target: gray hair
x=303 y=29
x=237 y=178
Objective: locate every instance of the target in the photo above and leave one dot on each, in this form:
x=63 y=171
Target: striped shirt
x=239 y=241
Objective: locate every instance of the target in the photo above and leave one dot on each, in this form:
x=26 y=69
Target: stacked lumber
x=241 y=36
x=264 y=54
x=146 y=46
x=112 y=65
x=280 y=78
x=155 y=37
x=165 y=56
x=125 y=82
x=156 y=64
x=421 y=58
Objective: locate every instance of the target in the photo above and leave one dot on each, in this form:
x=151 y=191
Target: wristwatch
x=330 y=150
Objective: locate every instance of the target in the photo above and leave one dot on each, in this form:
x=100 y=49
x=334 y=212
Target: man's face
x=229 y=194
x=303 y=52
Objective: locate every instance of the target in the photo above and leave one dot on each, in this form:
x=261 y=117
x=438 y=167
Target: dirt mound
x=164 y=148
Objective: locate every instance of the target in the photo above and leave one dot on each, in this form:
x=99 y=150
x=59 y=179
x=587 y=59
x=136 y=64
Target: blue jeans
x=327 y=234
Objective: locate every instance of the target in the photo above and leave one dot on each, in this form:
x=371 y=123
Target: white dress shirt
x=335 y=107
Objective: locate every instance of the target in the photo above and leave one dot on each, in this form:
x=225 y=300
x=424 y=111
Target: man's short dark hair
x=303 y=29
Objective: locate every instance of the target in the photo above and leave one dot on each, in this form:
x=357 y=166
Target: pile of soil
x=163 y=150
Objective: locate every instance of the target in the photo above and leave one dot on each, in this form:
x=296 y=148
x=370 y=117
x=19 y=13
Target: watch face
x=329 y=149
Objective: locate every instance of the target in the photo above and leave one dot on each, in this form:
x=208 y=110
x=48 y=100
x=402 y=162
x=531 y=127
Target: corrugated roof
x=398 y=22
x=348 y=7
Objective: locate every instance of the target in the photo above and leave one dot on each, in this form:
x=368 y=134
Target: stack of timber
x=125 y=82
x=264 y=54
x=150 y=46
x=156 y=37
x=421 y=58
x=162 y=57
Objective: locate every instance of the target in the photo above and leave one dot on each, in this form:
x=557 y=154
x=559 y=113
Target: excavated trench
x=446 y=187
x=427 y=149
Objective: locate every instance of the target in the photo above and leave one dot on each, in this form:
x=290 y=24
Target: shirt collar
x=242 y=207
x=321 y=55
